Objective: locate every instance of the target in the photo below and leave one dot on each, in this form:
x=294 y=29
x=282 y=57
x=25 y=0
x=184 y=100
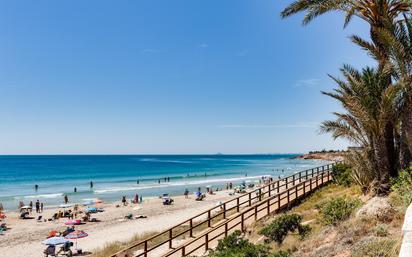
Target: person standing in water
x=36 y=187
x=75 y=189
x=66 y=199
x=91 y=184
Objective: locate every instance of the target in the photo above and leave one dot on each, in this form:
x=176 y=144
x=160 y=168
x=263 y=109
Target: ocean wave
x=178 y=184
x=38 y=196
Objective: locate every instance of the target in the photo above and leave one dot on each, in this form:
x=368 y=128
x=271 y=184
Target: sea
x=114 y=176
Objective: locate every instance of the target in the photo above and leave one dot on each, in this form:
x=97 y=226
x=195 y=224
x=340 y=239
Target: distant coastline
x=323 y=155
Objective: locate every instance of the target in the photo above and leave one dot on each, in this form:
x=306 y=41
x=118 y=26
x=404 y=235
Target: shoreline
x=24 y=236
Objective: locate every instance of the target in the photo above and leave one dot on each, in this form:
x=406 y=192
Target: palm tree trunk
x=406 y=135
x=383 y=167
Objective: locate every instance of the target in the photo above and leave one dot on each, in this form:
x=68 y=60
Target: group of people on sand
x=38 y=205
x=136 y=199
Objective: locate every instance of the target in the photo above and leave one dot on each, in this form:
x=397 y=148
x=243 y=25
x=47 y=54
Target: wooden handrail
x=273 y=189
x=296 y=189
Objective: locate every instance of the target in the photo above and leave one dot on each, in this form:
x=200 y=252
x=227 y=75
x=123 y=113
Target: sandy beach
x=24 y=237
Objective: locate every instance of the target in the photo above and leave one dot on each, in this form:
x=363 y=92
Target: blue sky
x=167 y=76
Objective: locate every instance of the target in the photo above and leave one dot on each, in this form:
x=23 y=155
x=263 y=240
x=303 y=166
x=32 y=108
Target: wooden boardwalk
x=202 y=232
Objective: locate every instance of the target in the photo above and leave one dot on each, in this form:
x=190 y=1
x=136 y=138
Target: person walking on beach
x=37 y=206
x=41 y=207
x=31 y=206
x=141 y=199
x=124 y=200
x=66 y=199
x=186 y=193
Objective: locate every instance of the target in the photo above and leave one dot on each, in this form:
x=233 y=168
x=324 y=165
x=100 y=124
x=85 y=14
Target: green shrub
x=337 y=209
x=402 y=187
x=342 y=174
x=281 y=254
x=235 y=246
x=376 y=248
x=381 y=230
x=281 y=226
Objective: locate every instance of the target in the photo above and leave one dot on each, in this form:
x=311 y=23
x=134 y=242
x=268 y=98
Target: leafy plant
x=342 y=174
x=381 y=230
x=338 y=209
x=236 y=246
x=281 y=254
x=281 y=226
x=375 y=248
x=402 y=187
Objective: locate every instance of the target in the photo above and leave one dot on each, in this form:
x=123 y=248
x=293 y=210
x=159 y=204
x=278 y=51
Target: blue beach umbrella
x=55 y=241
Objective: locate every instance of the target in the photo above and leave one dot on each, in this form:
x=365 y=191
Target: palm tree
x=380 y=15
x=399 y=44
x=368 y=102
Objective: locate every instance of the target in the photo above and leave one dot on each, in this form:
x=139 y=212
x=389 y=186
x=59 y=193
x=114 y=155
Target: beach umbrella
x=57 y=240
x=76 y=235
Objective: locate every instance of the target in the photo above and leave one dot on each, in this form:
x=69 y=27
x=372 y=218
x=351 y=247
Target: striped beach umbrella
x=76 y=235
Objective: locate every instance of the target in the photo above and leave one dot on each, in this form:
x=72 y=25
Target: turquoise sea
x=116 y=175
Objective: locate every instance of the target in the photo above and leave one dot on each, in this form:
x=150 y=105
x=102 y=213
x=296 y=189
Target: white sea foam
x=39 y=196
x=176 y=184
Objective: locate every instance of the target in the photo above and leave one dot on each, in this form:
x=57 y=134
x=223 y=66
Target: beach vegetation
x=341 y=173
x=280 y=227
x=235 y=245
x=337 y=209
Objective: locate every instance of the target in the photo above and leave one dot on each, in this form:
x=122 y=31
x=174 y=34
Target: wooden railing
x=279 y=189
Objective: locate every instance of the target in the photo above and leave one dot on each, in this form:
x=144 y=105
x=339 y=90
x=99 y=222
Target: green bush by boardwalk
x=281 y=226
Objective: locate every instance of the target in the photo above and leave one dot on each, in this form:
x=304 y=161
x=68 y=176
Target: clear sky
x=167 y=76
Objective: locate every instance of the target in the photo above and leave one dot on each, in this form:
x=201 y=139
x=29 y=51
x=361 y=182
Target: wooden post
x=250 y=199
x=256 y=212
x=268 y=206
x=269 y=192
x=224 y=210
x=312 y=173
x=183 y=251
x=226 y=229
x=293 y=179
x=317 y=181
x=306 y=174
x=310 y=185
x=278 y=189
x=206 y=242
x=322 y=178
x=304 y=187
x=145 y=248
x=296 y=192
x=191 y=228
x=286 y=182
x=242 y=222
x=170 y=238
x=300 y=177
x=278 y=201
x=260 y=194
x=237 y=205
x=208 y=218
x=288 y=196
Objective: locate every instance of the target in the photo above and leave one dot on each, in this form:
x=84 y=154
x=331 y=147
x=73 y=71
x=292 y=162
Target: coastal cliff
x=324 y=155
